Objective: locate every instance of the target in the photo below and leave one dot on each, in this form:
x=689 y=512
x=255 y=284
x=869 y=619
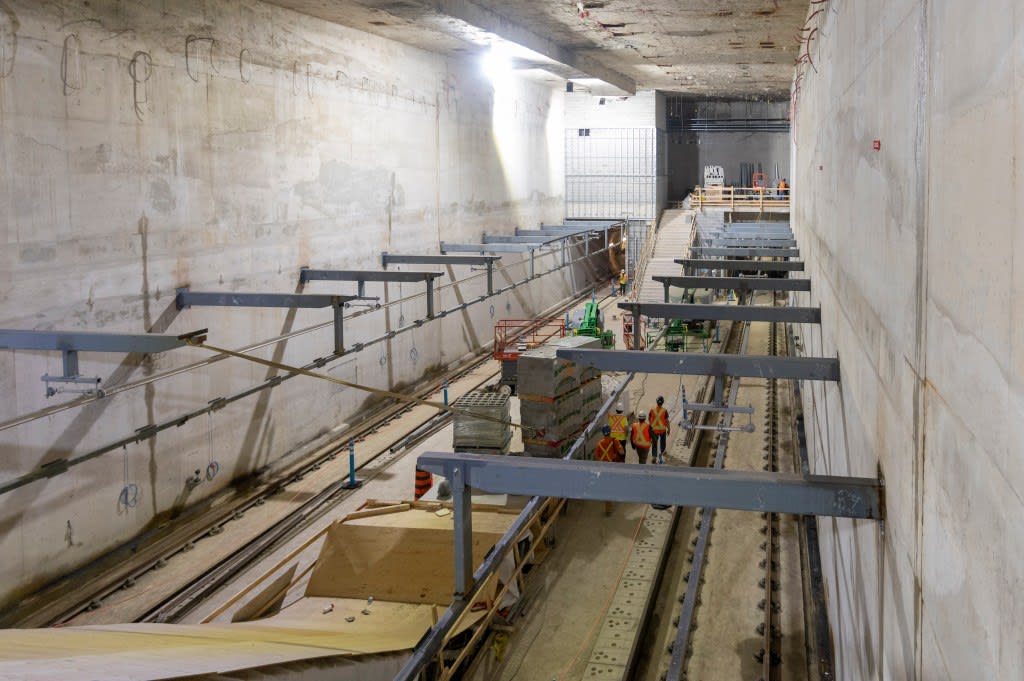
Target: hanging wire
x=129 y=496
x=241 y=66
x=212 y=465
x=7 y=35
x=71 y=42
x=140 y=68
x=188 y=49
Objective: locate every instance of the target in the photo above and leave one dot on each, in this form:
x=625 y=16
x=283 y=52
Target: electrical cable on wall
x=8 y=37
x=241 y=66
x=72 y=48
x=129 y=496
x=188 y=49
x=212 y=465
x=140 y=68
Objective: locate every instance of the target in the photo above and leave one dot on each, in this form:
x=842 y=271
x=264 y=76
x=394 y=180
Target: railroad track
x=125 y=569
x=731 y=559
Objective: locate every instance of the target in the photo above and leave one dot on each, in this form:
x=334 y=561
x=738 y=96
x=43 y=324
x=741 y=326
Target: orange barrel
x=424 y=481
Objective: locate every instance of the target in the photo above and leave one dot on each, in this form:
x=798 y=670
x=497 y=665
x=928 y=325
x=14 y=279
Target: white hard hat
x=618 y=407
x=642 y=416
x=623 y=271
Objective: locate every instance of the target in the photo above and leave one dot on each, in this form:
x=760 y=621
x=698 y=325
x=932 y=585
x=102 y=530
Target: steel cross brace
x=743 y=265
x=487 y=260
x=746 y=252
x=735 y=313
x=702 y=364
x=843 y=497
x=362 y=276
x=188 y=298
x=736 y=283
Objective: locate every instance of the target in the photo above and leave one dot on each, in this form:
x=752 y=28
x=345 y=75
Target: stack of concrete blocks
x=556 y=398
x=484 y=436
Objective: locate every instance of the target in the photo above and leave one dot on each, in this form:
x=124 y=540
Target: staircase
x=672 y=241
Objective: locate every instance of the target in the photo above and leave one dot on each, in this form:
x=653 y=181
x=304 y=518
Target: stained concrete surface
x=915 y=250
x=228 y=165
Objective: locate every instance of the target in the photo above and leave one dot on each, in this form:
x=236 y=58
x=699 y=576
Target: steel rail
x=682 y=640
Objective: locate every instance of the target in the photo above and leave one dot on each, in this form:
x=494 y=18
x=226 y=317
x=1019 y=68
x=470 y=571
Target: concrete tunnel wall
x=286 y=141
x=916 y=255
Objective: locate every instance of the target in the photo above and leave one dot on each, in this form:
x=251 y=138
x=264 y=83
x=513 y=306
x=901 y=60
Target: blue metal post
x=352 y=482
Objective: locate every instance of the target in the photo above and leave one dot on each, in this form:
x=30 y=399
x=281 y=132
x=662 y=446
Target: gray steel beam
x=596 y=224
x=736 y=283
x=189 y=298
x=756 y=242
x=88 y=341
x=703 y=364
x=736 y=313
x=517 y=239
x=728 y=252
x=397 y=259
x=306 y=275
x=560 y=232
x=744 y=265
x=494 y=248
x=765 y=492
x=363 y=276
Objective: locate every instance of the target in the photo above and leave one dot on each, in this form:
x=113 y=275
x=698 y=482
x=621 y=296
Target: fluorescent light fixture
x=496 y=64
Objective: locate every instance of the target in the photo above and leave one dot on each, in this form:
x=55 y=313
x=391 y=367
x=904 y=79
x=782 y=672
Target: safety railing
x=734 y=198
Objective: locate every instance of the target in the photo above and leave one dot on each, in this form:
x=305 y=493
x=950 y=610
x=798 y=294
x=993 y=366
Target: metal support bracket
x=70 y=343
x=362 y=276
x=187 y=298
x=729 y=252
x=702 y=364
x=736 y=283
x=742 y=265
x=744 y=313
x=828 y=495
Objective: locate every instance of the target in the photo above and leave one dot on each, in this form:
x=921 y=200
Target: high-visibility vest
x=608 y=449
x=640 y=435
x=658 y=419
x=617 y=422
x=623 y=278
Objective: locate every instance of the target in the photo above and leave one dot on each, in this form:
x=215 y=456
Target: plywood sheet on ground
x=413 y=563
x=167 y=651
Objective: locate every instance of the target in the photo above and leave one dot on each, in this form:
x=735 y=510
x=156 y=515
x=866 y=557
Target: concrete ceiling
x=703 y=48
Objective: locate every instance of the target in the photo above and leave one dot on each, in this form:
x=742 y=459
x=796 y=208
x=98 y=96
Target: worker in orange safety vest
x=640 y=437
x=658 y=418
x=610 y=450
x=619 y=425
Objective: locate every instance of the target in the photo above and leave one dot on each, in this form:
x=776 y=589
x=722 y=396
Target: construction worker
x=619 y=425
x=658 y=419
x=783 y=188
x=623 y=280
x=611 y=450
x=640 y=437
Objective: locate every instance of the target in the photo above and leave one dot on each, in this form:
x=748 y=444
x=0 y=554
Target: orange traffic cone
x=424 y=481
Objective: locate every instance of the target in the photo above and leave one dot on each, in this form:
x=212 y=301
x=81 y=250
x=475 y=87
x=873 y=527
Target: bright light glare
x=496 y=65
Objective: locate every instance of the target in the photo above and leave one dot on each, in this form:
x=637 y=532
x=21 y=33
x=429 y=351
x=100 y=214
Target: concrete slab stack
x=557 y=398
x=482 y=435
